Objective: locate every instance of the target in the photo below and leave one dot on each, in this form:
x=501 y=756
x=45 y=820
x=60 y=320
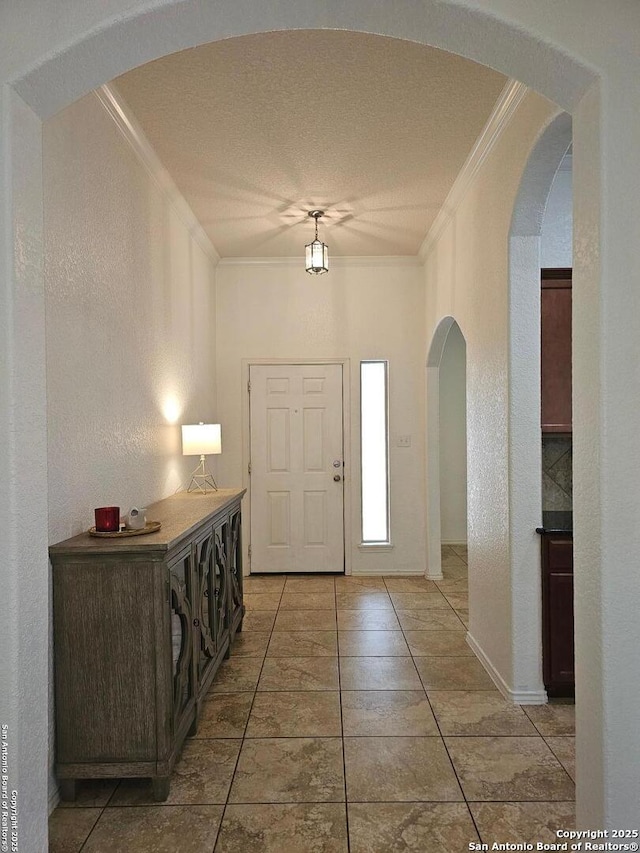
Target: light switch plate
x=404 y=441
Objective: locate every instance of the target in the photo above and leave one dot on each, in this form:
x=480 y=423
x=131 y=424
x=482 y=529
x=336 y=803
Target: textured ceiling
x=256 y=131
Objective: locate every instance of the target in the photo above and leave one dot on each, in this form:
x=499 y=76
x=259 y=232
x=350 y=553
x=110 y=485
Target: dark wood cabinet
x=141 y=625
x=557 y=614
x=555 y=350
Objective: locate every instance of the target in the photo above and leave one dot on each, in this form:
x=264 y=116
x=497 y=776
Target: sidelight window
x=374 y=443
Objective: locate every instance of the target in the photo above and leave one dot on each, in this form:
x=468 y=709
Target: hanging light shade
x=317 y=252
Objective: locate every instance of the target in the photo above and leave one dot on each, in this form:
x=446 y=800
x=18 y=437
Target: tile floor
x=351 y=716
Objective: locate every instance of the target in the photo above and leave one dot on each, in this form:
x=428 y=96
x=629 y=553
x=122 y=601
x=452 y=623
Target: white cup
x=136 y=519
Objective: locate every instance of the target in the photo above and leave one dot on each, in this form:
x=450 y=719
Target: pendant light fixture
x=316 y=253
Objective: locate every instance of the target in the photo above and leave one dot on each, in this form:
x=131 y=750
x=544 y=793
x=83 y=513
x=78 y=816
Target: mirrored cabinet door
x=180 y=580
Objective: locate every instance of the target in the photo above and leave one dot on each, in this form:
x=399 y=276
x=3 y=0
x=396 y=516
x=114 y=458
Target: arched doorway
x=525 y=469
x=446 y=442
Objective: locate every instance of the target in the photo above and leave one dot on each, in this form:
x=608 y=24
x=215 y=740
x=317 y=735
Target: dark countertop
x=555 y=521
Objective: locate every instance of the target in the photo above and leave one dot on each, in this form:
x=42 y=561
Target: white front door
x=297 y=480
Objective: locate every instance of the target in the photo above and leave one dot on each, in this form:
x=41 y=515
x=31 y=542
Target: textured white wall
x=556 y=240
x=357 y=312
x=467 y=277
x=453 y=438
x=130 y=319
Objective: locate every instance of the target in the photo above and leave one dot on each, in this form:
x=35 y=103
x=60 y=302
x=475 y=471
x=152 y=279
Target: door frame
x=246 y=364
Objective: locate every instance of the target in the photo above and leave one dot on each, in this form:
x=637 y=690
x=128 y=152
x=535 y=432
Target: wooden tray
x=150 y=527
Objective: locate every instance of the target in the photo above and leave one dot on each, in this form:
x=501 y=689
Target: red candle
x=107 y=519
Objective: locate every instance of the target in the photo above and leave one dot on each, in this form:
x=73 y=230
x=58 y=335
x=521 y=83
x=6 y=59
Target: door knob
x=337 y=477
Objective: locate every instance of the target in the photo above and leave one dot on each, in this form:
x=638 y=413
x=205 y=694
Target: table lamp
x=201 y=440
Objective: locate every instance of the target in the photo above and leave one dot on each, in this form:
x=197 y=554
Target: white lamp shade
x=201 y=439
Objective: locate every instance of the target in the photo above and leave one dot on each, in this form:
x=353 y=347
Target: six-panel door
x=297 y=470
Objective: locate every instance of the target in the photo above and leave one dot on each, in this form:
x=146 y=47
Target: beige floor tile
x=262 y=600
x=378 y=673
x=405 y=769
x=372 y=644
x=453 y=673
x=69 y=828
x=202 y=775
x=305 y=620
x=286 y=828
x=387 y=712
x=458 y=600
x=552 y=719
x=453 y=561
x=564 y=749
x=450 y=585
x=523 y=823
x=360 y=584
x=457 y=572
x=363 y=601
x=429 y=620
x=287 y=644
x=410 y=828
x=277 y=770
x=308 y=584
x=307 y=601
x=417 y=584
x=463 y=616
x=446 y=551
x=237 y=675
x=295 y=714
x=224 y=715
x=460 y=550
x=94 y=793
x=367 y=620
x=419 y=601
x=310 y=673
x=508 y=769
x=161 y=829
x=263 y=583
x=258 y=620
x=479 y=712
x=439 y=643
x=250 y=644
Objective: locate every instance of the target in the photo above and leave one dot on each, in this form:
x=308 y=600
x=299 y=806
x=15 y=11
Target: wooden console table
x=141 y=625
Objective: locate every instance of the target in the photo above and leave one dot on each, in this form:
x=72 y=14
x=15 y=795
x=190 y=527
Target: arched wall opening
x=445 y=442
x=453 y=439
x=47 y=66
x=525 y=449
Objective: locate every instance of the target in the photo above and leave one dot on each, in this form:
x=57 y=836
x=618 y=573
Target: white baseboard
x=518 y=697
x=381 y=571
x=453 y=542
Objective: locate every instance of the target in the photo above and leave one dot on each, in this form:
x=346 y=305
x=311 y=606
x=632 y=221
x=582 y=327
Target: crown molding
x=124 y=119
x=503 y=111
x=338 y=261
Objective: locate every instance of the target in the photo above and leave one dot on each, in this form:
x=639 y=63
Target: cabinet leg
x=160 y=785
x=68 y=790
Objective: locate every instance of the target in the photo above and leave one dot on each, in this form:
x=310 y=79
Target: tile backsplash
x=557 y=477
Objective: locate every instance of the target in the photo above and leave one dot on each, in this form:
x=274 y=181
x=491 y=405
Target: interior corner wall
x=360 y=310
x=453 y=439
x=130 y=320
x=467 y=277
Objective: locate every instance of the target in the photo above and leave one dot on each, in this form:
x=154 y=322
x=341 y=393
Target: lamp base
x=201 y=478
